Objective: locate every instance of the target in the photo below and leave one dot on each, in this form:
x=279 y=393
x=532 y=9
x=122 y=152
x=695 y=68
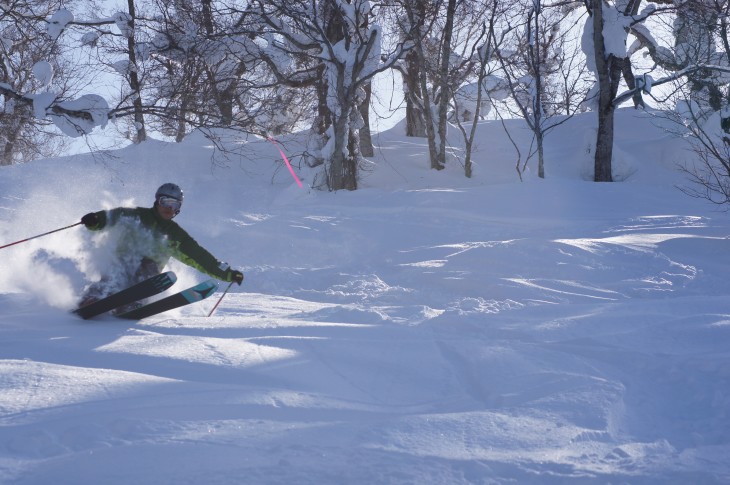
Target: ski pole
x=221 y=298
x=40 y=235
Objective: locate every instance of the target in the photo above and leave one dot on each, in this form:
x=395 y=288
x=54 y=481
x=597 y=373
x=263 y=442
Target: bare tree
x=28 y=55
x=196 y=68
x=338 y=51
x=697 y=29
x=133 y=75
x=412 y=20
x=120 y=50
x=435 y=81
x=471 y=99
x=708 y=175
x=699 y=62
x=693 y=60
x=445 y=88
x=609 y=64
x=417 y=22
x=125 y=41
x=540 y=67
x=414 y=96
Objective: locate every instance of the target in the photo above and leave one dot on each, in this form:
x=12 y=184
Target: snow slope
x=426 y=328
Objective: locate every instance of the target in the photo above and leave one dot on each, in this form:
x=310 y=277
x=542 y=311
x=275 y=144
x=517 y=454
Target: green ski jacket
x=167 y=240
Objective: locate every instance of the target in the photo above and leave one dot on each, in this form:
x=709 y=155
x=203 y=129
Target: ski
x=144 y=289
x=191 y=295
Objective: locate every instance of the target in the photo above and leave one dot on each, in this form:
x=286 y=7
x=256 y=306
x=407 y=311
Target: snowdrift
x=426 y=328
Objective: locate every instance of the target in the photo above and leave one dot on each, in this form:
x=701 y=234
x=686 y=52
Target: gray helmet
x=169 y=190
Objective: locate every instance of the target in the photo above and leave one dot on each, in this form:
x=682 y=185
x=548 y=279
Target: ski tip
x=83 y=313
x=206 y=288
x=79 y=313
x=171 y=275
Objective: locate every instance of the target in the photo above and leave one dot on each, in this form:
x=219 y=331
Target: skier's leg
x=96 y=291
x=147 y=269
x=122 y=279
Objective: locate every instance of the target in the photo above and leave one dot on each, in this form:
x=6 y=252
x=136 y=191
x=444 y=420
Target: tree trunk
x=430 y=129
x=415 y=117
x=426 y=98
x=366 y=140
x=225 y=97
x=134 y=84
x=412 y=90
x=604 y=136
x=342 y=168
x=11 y=132
x=181 y=123
x=445 y=85
x=610 y=79
x=8 y=150
x=225 y=106
x=537 y=109
x=342 y=173
x=207 y=16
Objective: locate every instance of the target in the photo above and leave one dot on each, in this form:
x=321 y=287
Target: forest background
x=236 y=69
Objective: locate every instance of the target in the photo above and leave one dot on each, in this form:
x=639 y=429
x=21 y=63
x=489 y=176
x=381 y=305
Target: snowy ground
x=425 y=329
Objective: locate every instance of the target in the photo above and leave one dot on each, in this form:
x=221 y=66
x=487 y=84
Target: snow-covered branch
x=645 y=83
x=73 y=117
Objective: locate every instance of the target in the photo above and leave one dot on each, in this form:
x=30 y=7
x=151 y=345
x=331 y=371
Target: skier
x=149 y=237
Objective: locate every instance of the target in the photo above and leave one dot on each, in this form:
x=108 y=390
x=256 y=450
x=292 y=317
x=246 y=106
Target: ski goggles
x=170 y=203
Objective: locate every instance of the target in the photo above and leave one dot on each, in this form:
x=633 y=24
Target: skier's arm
x=187 y=250
x=96 y=221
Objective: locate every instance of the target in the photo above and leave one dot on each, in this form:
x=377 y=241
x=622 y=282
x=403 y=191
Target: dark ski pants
x=109 y=284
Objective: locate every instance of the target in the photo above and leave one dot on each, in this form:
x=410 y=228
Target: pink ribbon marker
x=291 y=170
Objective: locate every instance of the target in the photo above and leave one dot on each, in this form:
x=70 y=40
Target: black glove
x=90 y=220
x=236 y=277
